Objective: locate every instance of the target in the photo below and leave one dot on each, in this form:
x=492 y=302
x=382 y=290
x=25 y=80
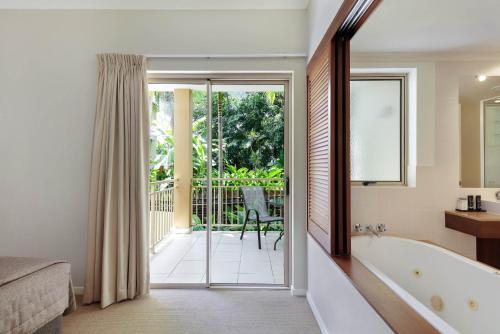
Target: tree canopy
x=252 y=129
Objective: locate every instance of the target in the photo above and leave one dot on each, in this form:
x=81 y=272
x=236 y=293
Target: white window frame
x=403 y=78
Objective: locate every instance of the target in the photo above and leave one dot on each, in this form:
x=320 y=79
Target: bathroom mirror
x=479 y=99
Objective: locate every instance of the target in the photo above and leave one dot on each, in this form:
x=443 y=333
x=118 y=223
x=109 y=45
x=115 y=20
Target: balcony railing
x=228 y=210
x=161 y=211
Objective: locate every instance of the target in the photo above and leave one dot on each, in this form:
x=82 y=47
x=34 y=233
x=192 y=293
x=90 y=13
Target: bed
x=34 y=294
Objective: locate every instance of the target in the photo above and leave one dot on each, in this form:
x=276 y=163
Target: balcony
x=178 y=252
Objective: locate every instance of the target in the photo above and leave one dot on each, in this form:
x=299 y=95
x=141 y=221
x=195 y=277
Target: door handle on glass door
x=287 y=185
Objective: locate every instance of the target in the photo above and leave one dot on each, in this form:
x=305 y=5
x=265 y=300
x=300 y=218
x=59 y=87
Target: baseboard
x=78 y=290
x=315 y=312
x=298 y=292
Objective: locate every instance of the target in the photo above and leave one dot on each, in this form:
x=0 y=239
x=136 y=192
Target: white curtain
x=117 y=247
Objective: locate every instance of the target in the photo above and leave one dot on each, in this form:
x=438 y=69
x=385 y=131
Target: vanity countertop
x=482 y=216
x=478 y=224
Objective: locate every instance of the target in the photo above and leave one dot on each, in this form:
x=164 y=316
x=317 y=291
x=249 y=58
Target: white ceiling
x=431 y=26
x=154 y=4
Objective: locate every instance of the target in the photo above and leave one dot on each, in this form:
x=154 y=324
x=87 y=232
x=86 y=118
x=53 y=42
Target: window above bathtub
x=382 y=133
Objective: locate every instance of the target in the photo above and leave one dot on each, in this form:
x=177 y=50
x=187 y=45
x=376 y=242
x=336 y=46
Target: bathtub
x=453 y=293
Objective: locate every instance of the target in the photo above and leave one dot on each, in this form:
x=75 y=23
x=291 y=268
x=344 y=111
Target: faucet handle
x=381 y=228
x=357 y=228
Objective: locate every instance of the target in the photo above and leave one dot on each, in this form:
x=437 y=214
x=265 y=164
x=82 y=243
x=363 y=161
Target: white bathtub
x=417 y=271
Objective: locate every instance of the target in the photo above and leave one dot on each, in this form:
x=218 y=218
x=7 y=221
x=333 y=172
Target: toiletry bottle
x=462 y=204
x=478 y=202
x=470 y=203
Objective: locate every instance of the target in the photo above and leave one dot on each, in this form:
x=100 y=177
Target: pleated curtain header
x=124 y=61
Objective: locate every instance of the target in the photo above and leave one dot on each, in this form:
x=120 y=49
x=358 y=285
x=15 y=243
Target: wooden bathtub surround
x=398 y=315
x=485 y=227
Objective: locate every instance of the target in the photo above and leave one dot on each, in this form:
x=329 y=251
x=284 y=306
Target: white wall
x=47 y=105
x=418 y=212
x=336 y=304
x=320 y=15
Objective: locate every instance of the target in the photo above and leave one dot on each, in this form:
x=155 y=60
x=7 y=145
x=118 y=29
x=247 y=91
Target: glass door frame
x=238 y=80
x=235 y=78
x=195 y=82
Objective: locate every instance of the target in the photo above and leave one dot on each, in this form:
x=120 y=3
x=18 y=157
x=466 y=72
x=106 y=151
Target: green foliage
x=252 y=128
x=262 y=173
x=273 y=172
x=195 y=220
x=199 y=158
x=162 y=141
x=253 y=131
x=238 y=217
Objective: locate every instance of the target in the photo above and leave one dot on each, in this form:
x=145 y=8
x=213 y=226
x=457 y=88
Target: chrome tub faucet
x=369 y=229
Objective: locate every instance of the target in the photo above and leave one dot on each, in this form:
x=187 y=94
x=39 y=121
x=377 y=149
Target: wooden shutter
x=318 y=149
x=328 y=165
x=328 y=130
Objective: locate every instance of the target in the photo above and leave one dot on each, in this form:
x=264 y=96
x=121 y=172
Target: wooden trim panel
x=398 y=315
x=340 y=147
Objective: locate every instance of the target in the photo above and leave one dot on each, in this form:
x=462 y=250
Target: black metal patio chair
x=256 y=210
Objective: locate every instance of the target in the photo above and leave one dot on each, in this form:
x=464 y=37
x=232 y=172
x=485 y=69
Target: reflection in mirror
x=480 y=131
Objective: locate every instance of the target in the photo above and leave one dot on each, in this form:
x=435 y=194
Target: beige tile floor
x=183 y=259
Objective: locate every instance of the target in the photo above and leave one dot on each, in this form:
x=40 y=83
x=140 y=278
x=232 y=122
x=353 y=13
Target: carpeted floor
x=208 y=311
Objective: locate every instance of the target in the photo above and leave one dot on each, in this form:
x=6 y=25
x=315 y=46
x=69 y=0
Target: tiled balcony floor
x=183 y=259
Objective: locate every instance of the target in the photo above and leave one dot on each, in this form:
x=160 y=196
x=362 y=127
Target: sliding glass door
x=248 y=127
x=218 y=197
x=178 y=168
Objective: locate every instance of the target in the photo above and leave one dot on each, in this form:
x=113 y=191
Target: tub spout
x=374 y=231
